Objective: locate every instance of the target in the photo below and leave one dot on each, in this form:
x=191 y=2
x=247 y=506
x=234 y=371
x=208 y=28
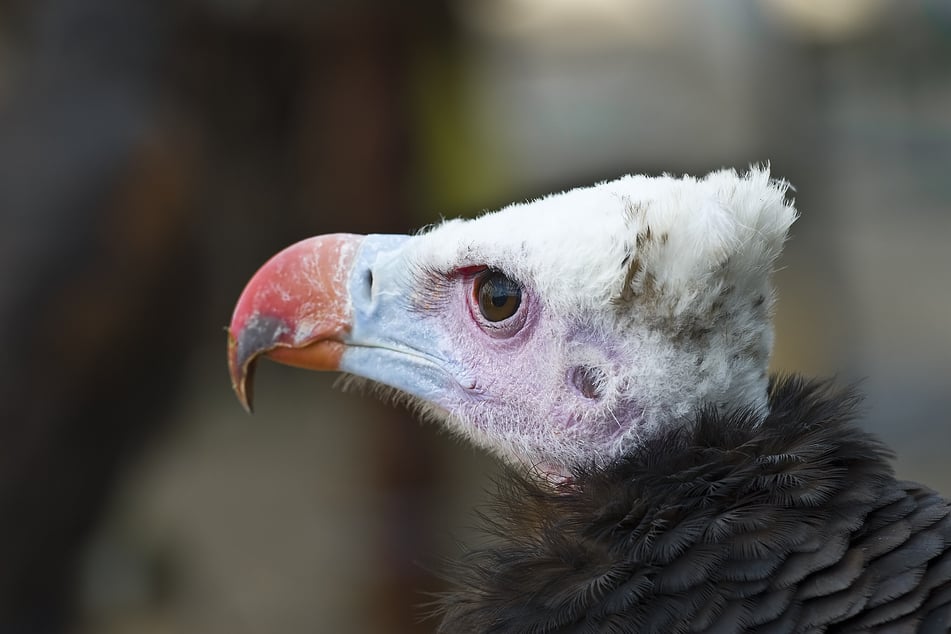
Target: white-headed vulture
x=610 y=344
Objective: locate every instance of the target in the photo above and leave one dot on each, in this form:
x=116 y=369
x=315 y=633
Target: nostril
x=589 y=380
x=365 y=285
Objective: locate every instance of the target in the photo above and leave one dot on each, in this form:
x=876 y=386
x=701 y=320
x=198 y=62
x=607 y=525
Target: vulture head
x=558 y=333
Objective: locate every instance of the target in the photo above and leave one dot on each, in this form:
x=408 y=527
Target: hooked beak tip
x=259 y=334
x=242 y=374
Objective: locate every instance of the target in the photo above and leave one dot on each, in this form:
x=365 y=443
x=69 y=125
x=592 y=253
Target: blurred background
x=153 y=153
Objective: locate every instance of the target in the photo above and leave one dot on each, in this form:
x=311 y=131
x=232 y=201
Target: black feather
x=731 y=524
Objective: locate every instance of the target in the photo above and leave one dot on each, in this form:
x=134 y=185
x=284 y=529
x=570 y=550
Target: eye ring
x=497 y=296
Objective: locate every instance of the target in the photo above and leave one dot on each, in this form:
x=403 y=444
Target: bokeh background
x=153 y=153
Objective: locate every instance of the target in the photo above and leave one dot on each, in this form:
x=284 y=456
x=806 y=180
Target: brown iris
x=498 y=296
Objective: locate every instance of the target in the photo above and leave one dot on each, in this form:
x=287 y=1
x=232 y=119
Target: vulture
x=610 y=345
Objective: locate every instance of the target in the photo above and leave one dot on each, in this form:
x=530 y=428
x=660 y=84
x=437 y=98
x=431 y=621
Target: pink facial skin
x=531 y=383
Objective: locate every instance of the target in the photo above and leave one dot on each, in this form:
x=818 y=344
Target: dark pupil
x=499 y=297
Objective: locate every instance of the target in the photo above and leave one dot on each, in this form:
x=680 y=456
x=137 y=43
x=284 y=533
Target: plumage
x=756 y=562
x=610 y=345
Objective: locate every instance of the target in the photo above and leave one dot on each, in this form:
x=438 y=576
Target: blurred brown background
x=153 y=153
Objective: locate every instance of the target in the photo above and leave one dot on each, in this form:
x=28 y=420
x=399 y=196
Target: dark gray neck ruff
x=729 y=524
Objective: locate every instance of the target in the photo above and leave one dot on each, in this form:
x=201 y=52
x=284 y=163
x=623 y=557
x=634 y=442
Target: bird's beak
x=335 y=302
x=295 y=310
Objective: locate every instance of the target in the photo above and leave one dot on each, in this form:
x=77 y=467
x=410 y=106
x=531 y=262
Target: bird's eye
x=497 y=296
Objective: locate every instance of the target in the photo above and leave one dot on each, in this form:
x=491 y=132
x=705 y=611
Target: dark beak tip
x=244 y=390
x=241 y=369
x=254 y=336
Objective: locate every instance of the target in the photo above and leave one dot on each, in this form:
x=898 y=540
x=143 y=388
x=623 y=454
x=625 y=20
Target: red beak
x=295 y=310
